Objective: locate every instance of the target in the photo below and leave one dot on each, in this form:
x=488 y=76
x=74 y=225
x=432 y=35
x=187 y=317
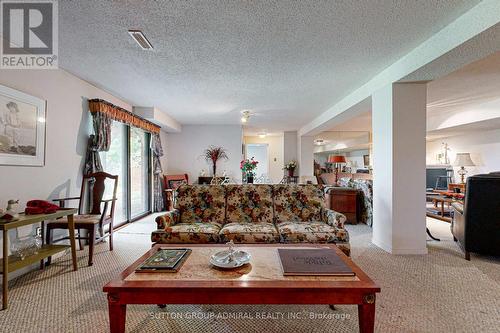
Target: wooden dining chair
x=170 y=185
x=95 y=219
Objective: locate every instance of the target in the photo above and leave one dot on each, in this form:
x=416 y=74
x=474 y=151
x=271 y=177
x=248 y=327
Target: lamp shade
x=463 y=159
x=336 y=159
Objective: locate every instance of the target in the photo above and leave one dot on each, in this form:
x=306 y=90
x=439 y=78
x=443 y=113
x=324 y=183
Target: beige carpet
x=438 y=292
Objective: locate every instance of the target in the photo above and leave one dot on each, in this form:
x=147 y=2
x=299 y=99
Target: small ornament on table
x=10 y=213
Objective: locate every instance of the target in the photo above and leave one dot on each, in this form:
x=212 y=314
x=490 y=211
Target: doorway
x=260 y=153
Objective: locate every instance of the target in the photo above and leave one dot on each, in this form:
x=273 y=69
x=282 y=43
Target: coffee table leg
x=366 y=314
x=117 y=314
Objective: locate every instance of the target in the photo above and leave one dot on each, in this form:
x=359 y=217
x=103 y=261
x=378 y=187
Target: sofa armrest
x=334 y=218
x=168 y=219
x=458 y=206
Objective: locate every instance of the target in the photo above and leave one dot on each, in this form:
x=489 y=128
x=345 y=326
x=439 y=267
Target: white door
x=259 y=151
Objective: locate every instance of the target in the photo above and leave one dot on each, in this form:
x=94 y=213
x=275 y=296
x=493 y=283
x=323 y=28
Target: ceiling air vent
x=139 y=37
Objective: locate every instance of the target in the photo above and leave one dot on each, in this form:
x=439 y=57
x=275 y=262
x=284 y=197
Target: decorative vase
x=26 y=246
x=291 y=172
x=250 y=179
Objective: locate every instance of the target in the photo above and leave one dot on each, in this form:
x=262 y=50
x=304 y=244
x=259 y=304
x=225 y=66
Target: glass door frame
x=149 y=158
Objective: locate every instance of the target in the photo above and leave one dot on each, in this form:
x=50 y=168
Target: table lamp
x=462 y=160
x=336 y=159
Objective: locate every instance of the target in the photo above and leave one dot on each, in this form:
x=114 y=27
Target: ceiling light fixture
x=141 y=39
x=262 y=135
x=245 y=116
x=319 y=142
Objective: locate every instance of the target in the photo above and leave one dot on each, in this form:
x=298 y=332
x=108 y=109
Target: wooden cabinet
x=344 y=200
x=204 y=180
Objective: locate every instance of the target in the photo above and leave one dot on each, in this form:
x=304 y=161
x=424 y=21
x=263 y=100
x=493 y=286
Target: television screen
x=436 y=178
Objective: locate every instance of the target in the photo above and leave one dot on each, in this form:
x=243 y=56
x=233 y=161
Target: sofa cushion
x=249 y=203
x=249 y=233
x=298 y=203
x=188 y=233
x=311 y=232
x=201 y=203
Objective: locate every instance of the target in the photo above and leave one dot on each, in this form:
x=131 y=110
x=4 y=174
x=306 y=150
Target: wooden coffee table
x=260 y=282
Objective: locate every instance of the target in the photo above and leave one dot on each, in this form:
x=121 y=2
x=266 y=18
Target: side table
x=344 y=200
x=12 y=263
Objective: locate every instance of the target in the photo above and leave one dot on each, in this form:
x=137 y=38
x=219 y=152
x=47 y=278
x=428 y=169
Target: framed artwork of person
x=22 y=128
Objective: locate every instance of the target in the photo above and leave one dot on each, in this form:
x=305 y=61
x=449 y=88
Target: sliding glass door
x=129 y=158
x=114 y=161
x=139 y=172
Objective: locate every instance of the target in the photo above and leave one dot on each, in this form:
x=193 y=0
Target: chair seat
x=311 y=232
x=249 y=233
x=188 y=233
x=84 y=219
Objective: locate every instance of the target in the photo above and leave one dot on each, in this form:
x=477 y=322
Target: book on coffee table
x=164 y=260
x=313 y=262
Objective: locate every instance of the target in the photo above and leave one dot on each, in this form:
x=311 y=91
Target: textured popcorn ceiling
x=286 y=61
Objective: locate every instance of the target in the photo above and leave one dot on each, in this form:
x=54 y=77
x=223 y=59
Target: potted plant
x=248 y=167
x=213 y=154
x=290 y=167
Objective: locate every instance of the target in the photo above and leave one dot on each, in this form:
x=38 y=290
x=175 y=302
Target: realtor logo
x=29 y=34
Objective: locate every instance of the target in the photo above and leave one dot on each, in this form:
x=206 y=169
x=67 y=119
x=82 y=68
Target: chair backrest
x=172 y=182
x=95 y=184
x=482 y=211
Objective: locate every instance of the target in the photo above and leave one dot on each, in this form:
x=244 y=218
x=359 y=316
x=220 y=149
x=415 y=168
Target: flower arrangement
x=290 y=167
x=248 y=167
x=214 y=154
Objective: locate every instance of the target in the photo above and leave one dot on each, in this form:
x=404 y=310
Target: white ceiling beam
x=480 y=18
x=158 y=117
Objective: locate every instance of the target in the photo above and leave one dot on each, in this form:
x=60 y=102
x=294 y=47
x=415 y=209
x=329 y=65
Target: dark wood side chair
x=171 y=183
x=93 y=185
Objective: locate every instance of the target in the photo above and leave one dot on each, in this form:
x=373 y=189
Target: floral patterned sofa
x=251 y=214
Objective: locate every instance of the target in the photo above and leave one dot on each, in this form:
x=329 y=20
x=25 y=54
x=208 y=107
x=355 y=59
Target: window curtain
x=157 y=150
x=99 y=141
x=103 y=114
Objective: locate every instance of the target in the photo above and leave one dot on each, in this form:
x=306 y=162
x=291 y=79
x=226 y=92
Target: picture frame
x=366 y=160
x=22 y=128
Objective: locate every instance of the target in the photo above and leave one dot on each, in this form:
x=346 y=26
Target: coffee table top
x=264 y=271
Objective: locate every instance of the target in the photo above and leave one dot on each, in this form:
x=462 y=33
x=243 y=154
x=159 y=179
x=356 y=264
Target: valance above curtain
x=117 y=113
x=103 y=113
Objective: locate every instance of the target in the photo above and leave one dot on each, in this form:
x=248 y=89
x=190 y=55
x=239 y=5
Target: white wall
x=290 y=148
x=184 y=150
x=306 y=155
x=67 y=130
x=484 y=149
x=276 y=154
x=356 y=157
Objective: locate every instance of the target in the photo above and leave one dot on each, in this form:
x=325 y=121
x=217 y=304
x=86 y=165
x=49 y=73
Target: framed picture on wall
x=22 y=128
x=366 y=160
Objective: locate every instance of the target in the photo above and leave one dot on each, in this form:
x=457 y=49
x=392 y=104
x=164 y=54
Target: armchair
x=476 y=223
x=96 y=219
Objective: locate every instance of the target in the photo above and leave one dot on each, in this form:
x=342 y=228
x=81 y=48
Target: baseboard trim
x=399 y=251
